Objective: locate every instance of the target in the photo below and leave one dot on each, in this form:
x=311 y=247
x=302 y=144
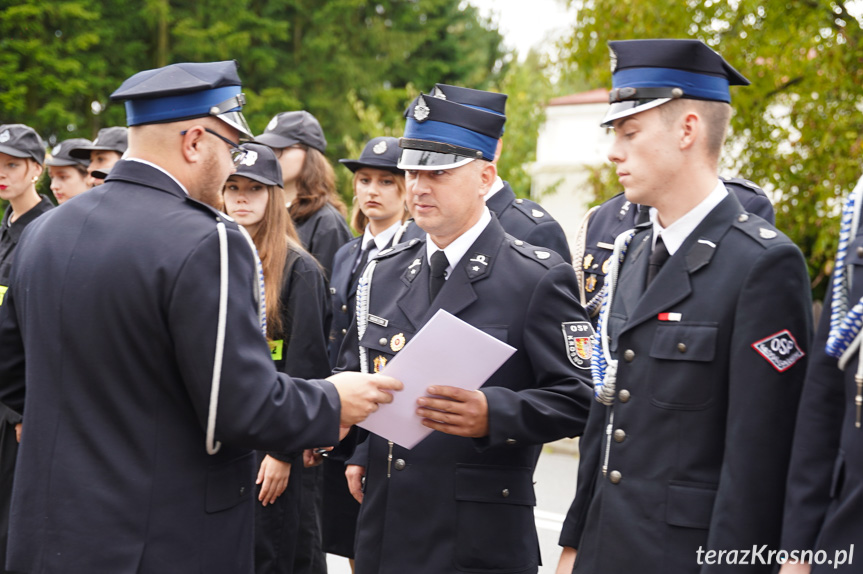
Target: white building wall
x=570 y=139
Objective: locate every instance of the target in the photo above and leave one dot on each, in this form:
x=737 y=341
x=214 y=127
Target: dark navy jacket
x=111 y=316
x=455 y=504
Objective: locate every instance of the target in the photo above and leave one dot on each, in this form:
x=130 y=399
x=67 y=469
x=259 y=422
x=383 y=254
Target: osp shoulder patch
x=781 y=350
x=578 y=337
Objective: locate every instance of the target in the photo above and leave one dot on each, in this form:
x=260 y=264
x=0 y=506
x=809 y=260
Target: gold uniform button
x=344 y=308
x=399 y=464
x=623 y=395
x=681 y=347
x=628 y=355
x=505 y=492
x=615 y=477
x=382 y=340
x=619 y=435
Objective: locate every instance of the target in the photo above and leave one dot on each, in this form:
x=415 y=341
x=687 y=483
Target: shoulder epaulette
x=548 y=258
x=398 y=248
x=759 y=230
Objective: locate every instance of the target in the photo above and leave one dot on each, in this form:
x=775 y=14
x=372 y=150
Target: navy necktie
x=658 y=257
x=437 y=276
x=361 y=264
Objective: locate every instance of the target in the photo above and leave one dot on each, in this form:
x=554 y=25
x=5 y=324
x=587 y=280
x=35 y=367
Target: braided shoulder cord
x=602 y=366
x=364 y=290
x=845 y=324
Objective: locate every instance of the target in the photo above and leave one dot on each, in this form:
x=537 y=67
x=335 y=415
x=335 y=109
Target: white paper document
x=446 y=351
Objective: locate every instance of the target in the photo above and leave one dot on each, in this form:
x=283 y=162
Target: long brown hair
x=316 y=186
x=359 y=219
x=274 y=238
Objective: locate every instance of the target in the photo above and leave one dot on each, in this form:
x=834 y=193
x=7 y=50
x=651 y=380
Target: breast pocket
x=495 y=524
x=682 y=371
x=383 y=343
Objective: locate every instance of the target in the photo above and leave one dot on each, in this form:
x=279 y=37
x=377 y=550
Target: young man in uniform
x=134 y=315
x=462 y=499
x=702 y=340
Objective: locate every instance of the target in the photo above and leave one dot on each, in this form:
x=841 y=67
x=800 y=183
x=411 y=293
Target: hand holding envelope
x=447 y=358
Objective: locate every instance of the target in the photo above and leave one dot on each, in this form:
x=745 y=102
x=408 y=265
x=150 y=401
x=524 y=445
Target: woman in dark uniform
x=22 y=154
x=309 y=182
x=298 y=319
x=378 y=214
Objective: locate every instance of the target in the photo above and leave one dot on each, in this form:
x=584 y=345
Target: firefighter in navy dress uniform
x=591 y=253
x=462 y=499
x=379 y=212
x=521 y=218
x=702 y=340
x=134 y=316
x=825 y=483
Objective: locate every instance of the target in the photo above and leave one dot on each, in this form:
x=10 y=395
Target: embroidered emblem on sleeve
x=578 y=337
x=781 y=350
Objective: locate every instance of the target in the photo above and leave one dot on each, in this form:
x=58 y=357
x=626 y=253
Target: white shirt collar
x=160 y=168
x=495 y=187
x=457 y=249
x=675 y=234
x=381 y=240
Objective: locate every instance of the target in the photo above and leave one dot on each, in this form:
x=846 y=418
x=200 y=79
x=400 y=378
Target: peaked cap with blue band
x=441 y=134
x=185 y=91
x=649 y=73
x=489 y=101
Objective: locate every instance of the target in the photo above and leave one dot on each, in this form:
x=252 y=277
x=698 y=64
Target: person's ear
x=191 y=144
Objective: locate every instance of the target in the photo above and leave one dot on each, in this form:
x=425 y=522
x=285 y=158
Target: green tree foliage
x=797 y=128
x=58 y=57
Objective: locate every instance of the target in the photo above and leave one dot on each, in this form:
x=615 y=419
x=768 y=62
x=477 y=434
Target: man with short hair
x=701 y=346
x=462 y=499
x=135 y=318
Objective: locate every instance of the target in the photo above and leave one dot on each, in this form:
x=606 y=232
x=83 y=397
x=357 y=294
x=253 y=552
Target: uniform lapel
x=351 y=288
x=672 y=284
x=414 y=301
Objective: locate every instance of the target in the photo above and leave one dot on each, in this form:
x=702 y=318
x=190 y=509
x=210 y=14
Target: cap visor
x=429 y=160
x=355 y=164
x=258 y=178
x=623 y=109
x=238 y=122
x=14 y=152
x=275 y=141
x=99 y=174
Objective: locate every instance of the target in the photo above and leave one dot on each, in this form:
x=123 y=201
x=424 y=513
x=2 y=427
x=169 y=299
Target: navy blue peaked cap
x=185 y=91
x=649 y=73
x=442 y=134
x=488 y=101
x=379 y=153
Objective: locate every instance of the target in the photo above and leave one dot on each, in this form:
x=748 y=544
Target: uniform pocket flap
x=680 y=342
x=690 y=505
x=229 y=483
x=387 y=339
x=476 y=483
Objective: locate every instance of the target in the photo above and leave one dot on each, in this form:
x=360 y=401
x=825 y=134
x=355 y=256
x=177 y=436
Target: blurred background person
x=309 y=180
x=69 y=175
x=378 y=213
x=22 y=154
x=298 y=319
x=106 y=150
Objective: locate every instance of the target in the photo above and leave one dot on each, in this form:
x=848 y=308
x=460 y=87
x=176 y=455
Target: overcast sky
x=527 y=23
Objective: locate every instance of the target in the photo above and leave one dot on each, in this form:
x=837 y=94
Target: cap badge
x=4 y=137
x=273 y=123
x=56 y=149
x=438 y=93
x=380 y=147
x=421 y=110
x=766 y=233
x=251 y=158
x=397 y=342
